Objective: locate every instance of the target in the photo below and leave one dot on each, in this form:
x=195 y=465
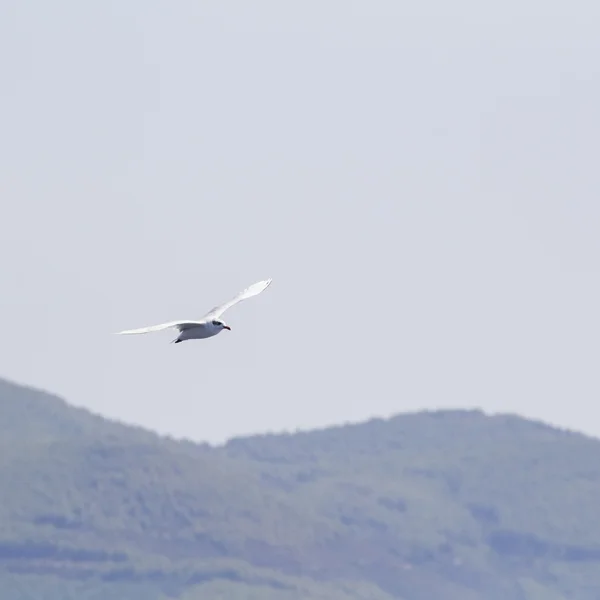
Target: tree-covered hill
x=450 y=505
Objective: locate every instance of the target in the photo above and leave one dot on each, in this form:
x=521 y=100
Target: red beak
x=226 y=327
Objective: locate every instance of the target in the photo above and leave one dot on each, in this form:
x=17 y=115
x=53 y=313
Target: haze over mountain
x=445 y=505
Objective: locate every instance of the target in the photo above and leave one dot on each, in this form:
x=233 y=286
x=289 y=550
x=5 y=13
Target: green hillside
x=452 y=505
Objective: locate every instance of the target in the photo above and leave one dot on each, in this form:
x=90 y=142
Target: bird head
x=220 y=324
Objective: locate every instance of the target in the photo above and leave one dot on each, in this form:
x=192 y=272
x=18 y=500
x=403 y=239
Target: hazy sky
x=421 y=181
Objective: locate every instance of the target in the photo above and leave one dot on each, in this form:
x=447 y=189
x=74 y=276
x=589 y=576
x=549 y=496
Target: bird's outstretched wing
x=253 y=290
x=181 y=325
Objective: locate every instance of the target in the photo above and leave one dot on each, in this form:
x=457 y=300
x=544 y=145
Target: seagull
x=211 y=324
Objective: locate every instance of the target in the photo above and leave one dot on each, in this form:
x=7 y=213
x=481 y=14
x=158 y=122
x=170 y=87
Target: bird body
x=200 y=330
x=210 y=325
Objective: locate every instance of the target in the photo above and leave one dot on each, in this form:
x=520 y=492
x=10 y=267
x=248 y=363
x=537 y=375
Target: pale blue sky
x=419 y=179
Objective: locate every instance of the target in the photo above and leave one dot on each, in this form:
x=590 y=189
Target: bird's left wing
x=181 y=325
x=253 y=290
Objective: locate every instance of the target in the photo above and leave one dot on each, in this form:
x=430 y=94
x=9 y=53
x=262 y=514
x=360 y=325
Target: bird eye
x=216 y=323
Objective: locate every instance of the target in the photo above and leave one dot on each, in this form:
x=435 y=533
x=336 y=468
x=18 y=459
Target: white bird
x=210 y=324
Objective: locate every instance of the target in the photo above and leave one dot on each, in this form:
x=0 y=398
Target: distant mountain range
x=448 y=505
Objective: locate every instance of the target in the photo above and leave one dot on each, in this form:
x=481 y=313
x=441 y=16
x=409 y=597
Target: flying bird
x=211 y=324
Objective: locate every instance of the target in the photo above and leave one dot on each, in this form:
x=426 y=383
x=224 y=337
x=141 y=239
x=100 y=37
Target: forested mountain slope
x=451 y=505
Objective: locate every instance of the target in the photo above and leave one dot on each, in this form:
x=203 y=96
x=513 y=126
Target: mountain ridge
x=439 y=504
x=8 y=386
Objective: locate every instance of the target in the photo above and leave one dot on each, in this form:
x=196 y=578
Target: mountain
x=445 y=505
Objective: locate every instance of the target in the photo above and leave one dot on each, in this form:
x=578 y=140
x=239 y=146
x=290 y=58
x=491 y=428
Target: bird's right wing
x=181 y=325
x=253 y=290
